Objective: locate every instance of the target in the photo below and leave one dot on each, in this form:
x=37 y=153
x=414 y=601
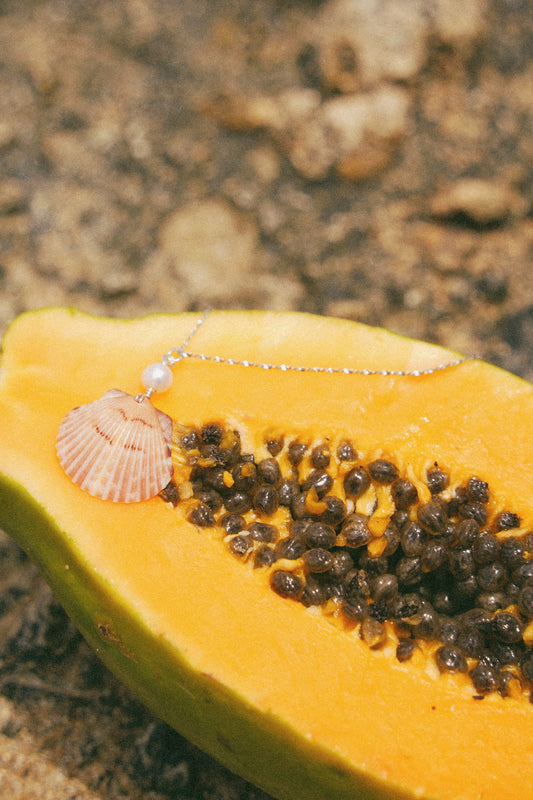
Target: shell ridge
x=149 y=467
x=131 y=445
x=84 y=461
x=75 y=453
x=145 y=465
x=115 y=477
x=153 y=468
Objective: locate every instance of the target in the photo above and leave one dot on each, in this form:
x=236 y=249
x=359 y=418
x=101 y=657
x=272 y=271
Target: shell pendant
x=117 y=448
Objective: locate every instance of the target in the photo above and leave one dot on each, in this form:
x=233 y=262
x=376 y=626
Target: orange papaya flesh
x=303 y=708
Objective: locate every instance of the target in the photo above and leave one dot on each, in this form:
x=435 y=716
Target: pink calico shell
x=117 y=448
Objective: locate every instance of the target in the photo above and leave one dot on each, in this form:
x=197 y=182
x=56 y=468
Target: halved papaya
x=299 y=697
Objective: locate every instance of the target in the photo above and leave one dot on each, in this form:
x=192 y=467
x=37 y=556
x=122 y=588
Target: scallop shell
x=117 y=448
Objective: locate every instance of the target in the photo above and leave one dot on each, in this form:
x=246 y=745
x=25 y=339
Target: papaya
x=332 y=595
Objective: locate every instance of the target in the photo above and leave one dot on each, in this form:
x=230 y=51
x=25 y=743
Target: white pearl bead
x=158 y=377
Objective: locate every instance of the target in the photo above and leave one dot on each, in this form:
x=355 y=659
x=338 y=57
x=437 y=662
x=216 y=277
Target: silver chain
x=177 y=354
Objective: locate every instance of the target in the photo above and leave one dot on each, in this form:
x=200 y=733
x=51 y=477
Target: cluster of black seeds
x=442 y=571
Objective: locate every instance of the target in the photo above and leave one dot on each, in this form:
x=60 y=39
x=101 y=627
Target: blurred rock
x=357 y=134
x=459 y=24
x=277 y=112
x=363 y=43
x=211 y=248
x=12 y=196
x=493 y=286
x=75 y=226
x=482 y=202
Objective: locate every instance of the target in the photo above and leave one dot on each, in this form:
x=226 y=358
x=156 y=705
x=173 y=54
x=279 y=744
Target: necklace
x=118 y=447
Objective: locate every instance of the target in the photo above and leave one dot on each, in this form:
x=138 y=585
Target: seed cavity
x=421 y=563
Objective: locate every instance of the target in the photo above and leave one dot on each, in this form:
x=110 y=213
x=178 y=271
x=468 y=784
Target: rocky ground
x=365 y=159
